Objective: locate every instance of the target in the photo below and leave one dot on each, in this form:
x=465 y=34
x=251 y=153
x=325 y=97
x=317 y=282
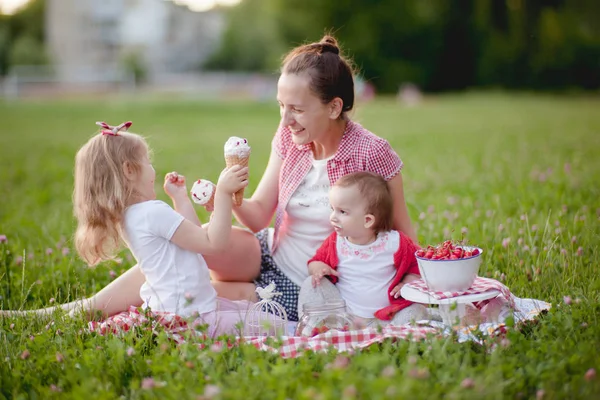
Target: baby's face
x=348 y=215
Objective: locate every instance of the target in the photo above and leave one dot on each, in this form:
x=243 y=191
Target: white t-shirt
x=366 y=273
x=305 y=225
x=177 y=280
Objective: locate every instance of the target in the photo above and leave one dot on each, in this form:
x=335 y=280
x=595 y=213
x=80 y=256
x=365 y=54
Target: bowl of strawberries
x=449 y=267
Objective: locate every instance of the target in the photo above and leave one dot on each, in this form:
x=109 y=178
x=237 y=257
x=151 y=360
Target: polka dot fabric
x=269 y=272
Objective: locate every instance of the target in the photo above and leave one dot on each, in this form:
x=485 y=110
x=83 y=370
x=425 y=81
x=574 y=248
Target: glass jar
x=318 y=318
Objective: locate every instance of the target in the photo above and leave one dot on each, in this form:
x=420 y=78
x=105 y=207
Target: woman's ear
x=335 y=109
x=129 y=171
x=369 y=221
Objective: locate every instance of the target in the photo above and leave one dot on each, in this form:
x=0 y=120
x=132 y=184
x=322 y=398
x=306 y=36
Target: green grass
x=518 y=166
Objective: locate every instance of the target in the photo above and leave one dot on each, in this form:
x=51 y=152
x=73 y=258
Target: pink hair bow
x=113 y=130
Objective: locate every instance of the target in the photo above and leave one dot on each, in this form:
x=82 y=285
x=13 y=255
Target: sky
x=10 y=6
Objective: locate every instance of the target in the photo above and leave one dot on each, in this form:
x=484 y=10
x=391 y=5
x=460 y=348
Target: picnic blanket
x=182 y=330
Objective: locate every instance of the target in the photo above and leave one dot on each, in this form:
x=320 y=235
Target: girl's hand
x=175 y=185
x=233 y=179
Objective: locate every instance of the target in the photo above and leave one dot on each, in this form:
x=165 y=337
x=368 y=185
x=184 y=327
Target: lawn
x=517 y=174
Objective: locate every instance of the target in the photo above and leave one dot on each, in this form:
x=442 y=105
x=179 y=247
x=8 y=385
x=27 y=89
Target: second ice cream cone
x=237 y=152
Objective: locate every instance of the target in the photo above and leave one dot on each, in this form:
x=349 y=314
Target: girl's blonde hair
x=103 y=191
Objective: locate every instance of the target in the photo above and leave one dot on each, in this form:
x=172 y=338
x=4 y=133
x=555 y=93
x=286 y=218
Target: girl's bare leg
x=117 y=296
x=236 y=290
x=241 y=261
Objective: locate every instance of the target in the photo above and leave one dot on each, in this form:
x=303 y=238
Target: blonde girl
x=114 y=200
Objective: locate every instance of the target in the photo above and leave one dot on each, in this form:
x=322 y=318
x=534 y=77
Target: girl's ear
x=335 y=109
x=129 y=171
x=369 y=221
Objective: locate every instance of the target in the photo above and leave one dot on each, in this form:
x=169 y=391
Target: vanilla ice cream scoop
x=203 y=192
x=237 y=147
x=237 y=152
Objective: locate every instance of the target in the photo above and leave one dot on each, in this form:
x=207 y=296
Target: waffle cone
x=211 y=201
x=230 y=161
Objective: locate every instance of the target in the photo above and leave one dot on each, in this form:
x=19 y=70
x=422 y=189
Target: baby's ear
x=369 y=221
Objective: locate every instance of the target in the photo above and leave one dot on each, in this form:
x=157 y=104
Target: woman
x=316 y=143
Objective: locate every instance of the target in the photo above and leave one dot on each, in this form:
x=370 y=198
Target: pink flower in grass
x=419 y=373
x=590 y=374
x=59 y=357
x=49 y=251
x=211 y=391
x=388 y=371
x=567 y=300
x=467 y=383
x=112 y=274
x=3 y=239
x=130 y=351
x=505 y=242
x=148 y=383
x=65 y=251
x=349 y=392
x=25 y=355
x=216 y=347
x=580 y=251
x=340 y=362
x=18 y=260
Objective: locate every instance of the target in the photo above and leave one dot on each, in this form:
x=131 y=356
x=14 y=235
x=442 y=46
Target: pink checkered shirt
x=360 y=150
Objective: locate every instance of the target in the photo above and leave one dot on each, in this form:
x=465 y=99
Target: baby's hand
x=175 y=185
x=395 y=293
x=318 y=270
x=233 y=179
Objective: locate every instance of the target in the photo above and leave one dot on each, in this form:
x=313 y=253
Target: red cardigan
x=404 y=261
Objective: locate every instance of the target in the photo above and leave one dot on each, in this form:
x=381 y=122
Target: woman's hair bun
x=329 y=45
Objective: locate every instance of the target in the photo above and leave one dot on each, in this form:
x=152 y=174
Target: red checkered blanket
x=180 y=330
x=480 y=285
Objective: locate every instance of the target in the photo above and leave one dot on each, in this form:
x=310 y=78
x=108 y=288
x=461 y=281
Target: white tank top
x=305 y=224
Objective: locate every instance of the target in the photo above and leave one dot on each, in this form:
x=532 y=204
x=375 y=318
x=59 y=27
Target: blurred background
x=232 y=48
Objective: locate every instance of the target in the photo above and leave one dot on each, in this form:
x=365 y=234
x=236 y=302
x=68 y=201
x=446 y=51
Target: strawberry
x=421 y=253
x=475 y=252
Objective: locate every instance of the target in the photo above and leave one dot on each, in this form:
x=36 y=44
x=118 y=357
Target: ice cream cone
x=203 y=193
x=237 y=152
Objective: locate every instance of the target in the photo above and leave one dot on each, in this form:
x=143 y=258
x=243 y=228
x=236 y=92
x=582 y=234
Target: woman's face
x=302 y=111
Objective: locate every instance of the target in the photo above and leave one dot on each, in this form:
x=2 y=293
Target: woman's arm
x=256 y=213
x=401 y=218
